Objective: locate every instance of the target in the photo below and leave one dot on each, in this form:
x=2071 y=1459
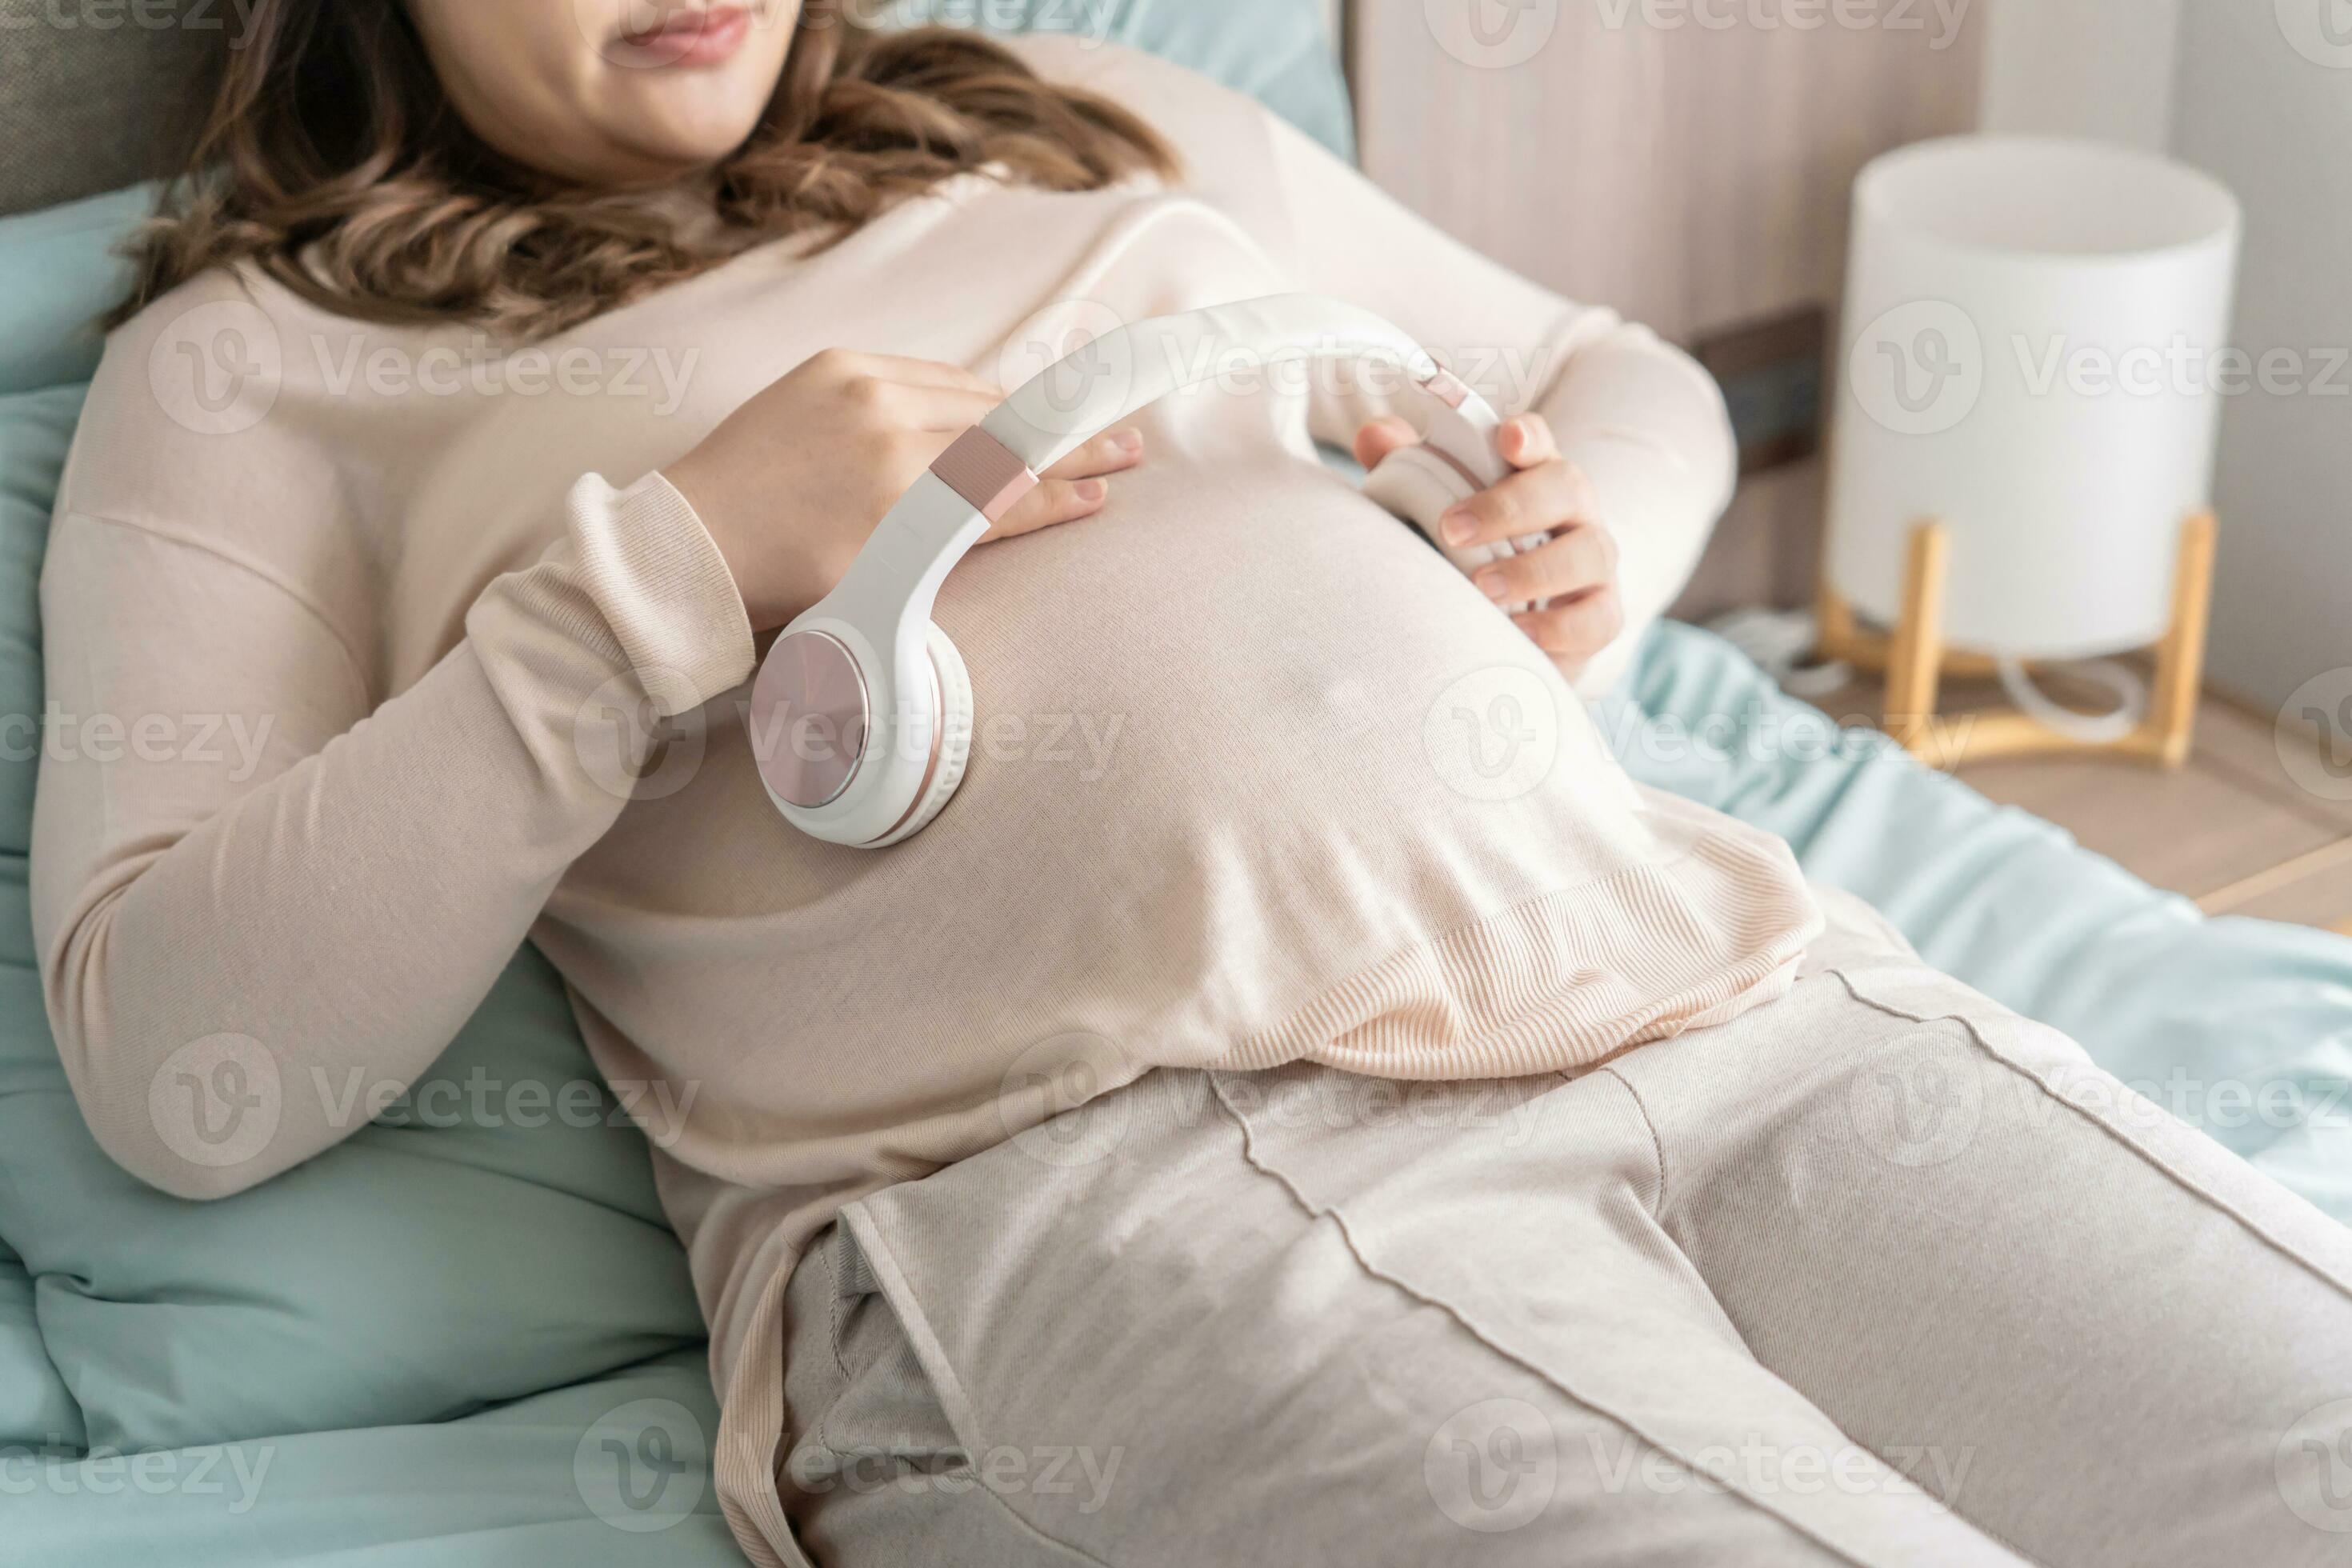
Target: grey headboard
x=100 y=93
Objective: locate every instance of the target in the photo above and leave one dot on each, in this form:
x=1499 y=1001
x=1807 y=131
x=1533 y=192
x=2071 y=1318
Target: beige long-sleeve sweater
x=1257 y=776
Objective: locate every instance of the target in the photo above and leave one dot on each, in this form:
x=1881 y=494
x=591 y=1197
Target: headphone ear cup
x=1417 y=485
x=955 y=738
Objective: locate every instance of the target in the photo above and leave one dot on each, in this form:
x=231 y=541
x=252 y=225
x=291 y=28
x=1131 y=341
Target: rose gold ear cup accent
x=984 y=472
x=1447 y=388
x=811 y=718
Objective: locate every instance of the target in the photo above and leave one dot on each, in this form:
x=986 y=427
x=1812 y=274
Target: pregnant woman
x=1300 y=1102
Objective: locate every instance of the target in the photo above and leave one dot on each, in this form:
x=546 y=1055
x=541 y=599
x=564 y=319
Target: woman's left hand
x=1576 y=572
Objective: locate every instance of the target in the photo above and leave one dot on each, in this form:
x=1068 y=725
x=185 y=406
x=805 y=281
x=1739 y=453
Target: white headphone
x=862 y=714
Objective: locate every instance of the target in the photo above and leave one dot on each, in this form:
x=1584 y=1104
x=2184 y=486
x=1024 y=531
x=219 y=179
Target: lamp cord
x=1780 y=640
x=2091 y=729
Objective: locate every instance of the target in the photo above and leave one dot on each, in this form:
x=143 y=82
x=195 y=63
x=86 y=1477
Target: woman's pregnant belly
x=1251 y=764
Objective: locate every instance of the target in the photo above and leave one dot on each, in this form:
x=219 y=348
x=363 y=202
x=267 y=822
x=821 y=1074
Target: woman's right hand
x=790 y=484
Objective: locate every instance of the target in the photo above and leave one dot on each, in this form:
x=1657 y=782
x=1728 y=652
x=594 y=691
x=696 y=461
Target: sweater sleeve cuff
x=657 y=576
x=1661 y=512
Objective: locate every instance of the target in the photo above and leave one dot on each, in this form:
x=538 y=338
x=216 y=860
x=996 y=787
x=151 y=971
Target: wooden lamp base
x=1916 y=659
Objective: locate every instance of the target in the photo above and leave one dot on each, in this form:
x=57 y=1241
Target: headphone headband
x=1140 y=364
x=991 y=466
x=877 y=623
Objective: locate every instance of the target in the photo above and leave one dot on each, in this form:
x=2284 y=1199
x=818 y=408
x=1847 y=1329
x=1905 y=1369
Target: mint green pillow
x=37 y=1413
x=61 y=274
x=413 y=1273
x=36 y=427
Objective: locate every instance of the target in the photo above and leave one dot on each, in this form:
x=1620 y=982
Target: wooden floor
x=2232 y=829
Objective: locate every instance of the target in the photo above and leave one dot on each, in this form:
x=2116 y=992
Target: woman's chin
x=648 y=153
x=703 y=114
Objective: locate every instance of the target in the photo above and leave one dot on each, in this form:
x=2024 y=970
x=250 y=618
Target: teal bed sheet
x=609 y=1474
x=2241 y=1027
x=470 y=1341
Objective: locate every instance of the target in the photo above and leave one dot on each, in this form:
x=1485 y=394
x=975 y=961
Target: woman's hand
x=1576 y=572
x=790 y=484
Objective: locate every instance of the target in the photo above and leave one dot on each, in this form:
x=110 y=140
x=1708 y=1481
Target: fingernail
x=1129 y=441
x=1491 y=583
x=1092 y=490
x=1457 y=527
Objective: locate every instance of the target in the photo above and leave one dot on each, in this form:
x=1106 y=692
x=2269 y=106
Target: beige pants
x=1880 y=1274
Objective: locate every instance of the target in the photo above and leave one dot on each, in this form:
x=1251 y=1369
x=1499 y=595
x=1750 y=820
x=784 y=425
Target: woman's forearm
x=246 y=942
x=1648 y=428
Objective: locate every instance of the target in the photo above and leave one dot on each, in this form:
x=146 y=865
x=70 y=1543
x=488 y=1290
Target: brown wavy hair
x=330 y=158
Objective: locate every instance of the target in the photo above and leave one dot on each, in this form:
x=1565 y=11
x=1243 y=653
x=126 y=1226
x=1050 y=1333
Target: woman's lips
x=684 y=37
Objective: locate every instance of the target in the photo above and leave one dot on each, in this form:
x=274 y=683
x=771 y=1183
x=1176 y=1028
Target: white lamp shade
x=2033 y=353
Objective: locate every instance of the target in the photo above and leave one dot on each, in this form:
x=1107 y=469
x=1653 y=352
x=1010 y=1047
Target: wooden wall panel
x=1694 y=177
